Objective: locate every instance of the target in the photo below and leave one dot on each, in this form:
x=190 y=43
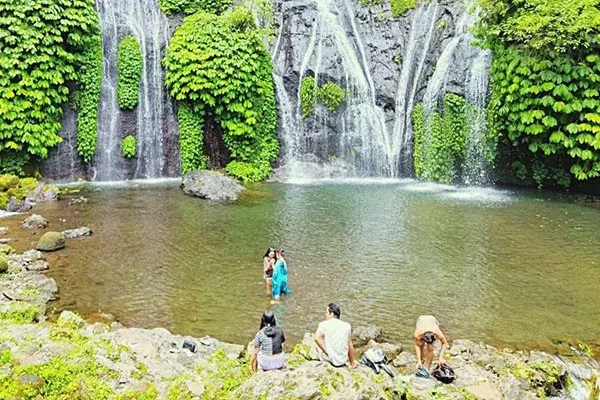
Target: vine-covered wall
x=129 y=73
x=42 y=47
x=219 y=66
x=440 y=139
x=545 y=104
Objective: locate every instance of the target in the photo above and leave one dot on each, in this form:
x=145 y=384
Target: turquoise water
x=506 y=267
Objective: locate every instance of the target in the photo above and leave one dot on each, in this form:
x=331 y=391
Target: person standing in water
x=426 y=333
x=280 y=276
x=268 y=265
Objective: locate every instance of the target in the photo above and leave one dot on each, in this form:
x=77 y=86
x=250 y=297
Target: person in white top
x=333 y=338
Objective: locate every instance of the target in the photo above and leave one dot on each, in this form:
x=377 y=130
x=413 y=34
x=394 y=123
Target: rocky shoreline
x=71 y=358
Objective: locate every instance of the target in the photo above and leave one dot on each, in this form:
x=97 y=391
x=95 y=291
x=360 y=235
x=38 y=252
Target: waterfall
x=416 y=50
x=362 y=146
x=476 y=168
x=143 y=20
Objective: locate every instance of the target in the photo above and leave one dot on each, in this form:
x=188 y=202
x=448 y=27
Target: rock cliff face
x=385 y=65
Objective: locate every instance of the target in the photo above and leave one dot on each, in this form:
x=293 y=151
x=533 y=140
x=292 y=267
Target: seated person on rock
x=268 y=345
x=333 y=338
x=426 y=332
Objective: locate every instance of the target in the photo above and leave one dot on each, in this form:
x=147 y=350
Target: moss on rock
x=3 y=264
x=52 y=241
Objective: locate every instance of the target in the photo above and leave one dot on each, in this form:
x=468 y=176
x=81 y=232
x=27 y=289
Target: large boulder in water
x=211 y=185
x=52 y=241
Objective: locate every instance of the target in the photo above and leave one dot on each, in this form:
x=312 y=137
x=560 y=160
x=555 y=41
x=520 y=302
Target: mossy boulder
x=52 y=241
x=8 y=182
x=3 y=264
x=6 y=249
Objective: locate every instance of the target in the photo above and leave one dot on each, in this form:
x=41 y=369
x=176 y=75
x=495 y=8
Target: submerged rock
x=79 y=232
x=211 y=185
x=52 y=241
x=34 y=221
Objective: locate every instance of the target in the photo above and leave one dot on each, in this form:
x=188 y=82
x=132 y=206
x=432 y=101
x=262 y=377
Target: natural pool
x=506 y=267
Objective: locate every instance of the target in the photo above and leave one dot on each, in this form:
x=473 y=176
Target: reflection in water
x=506 y=268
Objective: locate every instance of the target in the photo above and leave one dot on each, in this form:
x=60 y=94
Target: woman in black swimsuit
x=268 y=264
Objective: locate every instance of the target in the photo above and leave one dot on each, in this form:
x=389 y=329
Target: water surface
x=509 y=268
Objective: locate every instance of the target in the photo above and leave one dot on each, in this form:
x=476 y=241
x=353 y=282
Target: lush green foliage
x=129 y=73
x=90 y=83
x=308 y=96
x=41 y=48
x=193 y=6
x=129 y=146
x=13 y=162
x=440 y=139
x=221 y=66
x=545 y=105
x=331 y=95
x=550 y=106
x=400 y=7
x=561 y=26
x=191 y=139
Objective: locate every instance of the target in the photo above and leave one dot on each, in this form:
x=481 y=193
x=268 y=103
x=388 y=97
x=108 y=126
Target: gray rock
x=77 y=200
x=5 y=240
x=79 y=232
x=43 y=193
x=20 y=206
x=51 y=241
x=34 y=221
x=33 y=255
x=38 y=265
x=32 y=381
x=211 y=185
x=3 y=230
x=362 y=334
x=391 y=350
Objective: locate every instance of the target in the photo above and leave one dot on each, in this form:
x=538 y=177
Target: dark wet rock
x=211 y=185
x=75 y=233
x=34 y=221
x=51 y=241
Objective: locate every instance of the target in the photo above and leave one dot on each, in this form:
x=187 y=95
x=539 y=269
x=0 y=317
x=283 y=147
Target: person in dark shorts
x=268 y=345
x=426 y=333
x=268 y=265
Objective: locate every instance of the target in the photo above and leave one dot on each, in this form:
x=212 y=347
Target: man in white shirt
x=333 y=338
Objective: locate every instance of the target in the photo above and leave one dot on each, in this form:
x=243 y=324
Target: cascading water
x=143 y=20
x=417 y=48
x=362 y=144
x=476 y=168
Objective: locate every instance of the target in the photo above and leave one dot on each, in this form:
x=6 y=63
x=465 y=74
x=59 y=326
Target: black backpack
x=444 y=373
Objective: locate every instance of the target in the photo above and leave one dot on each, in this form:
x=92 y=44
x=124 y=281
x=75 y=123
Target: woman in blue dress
x=280 y=276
